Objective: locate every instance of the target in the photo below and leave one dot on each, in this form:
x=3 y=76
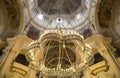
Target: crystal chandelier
x=59 y=53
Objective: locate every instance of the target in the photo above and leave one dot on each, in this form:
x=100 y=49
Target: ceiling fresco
x=59 y=6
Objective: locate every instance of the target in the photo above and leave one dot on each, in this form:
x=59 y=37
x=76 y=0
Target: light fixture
x=59 y=53
x=59 y=20
x=40 y=16
x=78 y=16
x=31 y=0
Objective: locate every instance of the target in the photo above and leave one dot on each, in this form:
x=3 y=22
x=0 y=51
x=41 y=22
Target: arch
x=1 y=52
x=98 y=58
x=21 y=59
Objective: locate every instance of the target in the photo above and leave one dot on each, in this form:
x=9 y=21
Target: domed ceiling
x=59 y=6
x=9 y=18
x=108 y=15
x=63 y=14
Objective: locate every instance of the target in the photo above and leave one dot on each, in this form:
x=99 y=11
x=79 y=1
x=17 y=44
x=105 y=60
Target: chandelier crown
x=59 y=53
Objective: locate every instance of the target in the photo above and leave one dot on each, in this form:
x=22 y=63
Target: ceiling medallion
x=59 y=53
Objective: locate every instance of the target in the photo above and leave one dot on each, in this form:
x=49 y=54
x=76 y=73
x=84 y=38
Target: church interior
x=59 y=38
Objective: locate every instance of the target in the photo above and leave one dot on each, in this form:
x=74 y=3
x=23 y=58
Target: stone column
x=103 y=45
x=87 y=73
x=106 y=50
x=18 y=43
x=6 y=63
x=32 y=73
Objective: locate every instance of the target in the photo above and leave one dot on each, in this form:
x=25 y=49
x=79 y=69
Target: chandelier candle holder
x=59 y=53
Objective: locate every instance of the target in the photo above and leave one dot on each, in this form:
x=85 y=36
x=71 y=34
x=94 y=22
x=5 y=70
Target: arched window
x=1 y=52
x=22 y=60
x=98 y=58
x=117 y=53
